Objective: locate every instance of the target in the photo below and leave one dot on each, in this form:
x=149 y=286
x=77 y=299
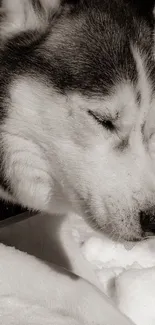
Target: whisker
x=149 y=237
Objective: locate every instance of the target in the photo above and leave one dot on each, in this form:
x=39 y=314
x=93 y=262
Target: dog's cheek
x=27 y=173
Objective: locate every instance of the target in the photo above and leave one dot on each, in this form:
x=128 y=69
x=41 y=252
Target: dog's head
x=77 y=96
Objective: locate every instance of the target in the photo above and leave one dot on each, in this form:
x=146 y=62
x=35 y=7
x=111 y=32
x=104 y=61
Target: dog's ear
x=22 y=15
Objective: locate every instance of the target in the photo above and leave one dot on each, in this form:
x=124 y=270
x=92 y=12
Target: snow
x=127 y=275
x=125 y=272
x=33 y=293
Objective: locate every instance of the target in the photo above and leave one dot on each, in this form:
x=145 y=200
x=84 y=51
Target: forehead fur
x=88 y=48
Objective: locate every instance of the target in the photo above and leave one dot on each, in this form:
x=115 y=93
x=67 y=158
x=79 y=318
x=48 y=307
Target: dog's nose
x=147 y=220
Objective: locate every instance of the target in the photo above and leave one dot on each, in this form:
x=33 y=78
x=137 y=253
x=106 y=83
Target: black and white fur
x=77 y=110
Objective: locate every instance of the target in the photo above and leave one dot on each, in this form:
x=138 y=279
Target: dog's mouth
x=119 y=236
x=114 y=232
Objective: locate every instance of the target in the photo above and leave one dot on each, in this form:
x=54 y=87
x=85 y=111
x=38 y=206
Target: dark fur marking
x=147 y=220
x=123 y=145
x=37 y=6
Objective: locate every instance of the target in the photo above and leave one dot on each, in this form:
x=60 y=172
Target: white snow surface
x=126 y=273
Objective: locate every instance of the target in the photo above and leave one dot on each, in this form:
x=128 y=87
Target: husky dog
x=77 y=111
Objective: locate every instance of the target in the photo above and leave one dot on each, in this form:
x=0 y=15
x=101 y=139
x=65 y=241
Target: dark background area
x=144 y=7
x=9 y=210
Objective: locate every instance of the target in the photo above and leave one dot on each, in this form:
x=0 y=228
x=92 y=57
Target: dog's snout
x=147 y=220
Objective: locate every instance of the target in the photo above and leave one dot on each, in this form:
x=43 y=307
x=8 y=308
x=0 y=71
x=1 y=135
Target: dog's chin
x=123 y=237
x=115 y=233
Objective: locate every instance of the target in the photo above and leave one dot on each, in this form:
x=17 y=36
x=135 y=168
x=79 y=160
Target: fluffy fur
x=77 y=131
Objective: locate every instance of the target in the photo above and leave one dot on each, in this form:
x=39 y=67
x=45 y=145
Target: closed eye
x=105 y=122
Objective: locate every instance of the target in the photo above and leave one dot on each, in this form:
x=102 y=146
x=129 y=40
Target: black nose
x=147 y=220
